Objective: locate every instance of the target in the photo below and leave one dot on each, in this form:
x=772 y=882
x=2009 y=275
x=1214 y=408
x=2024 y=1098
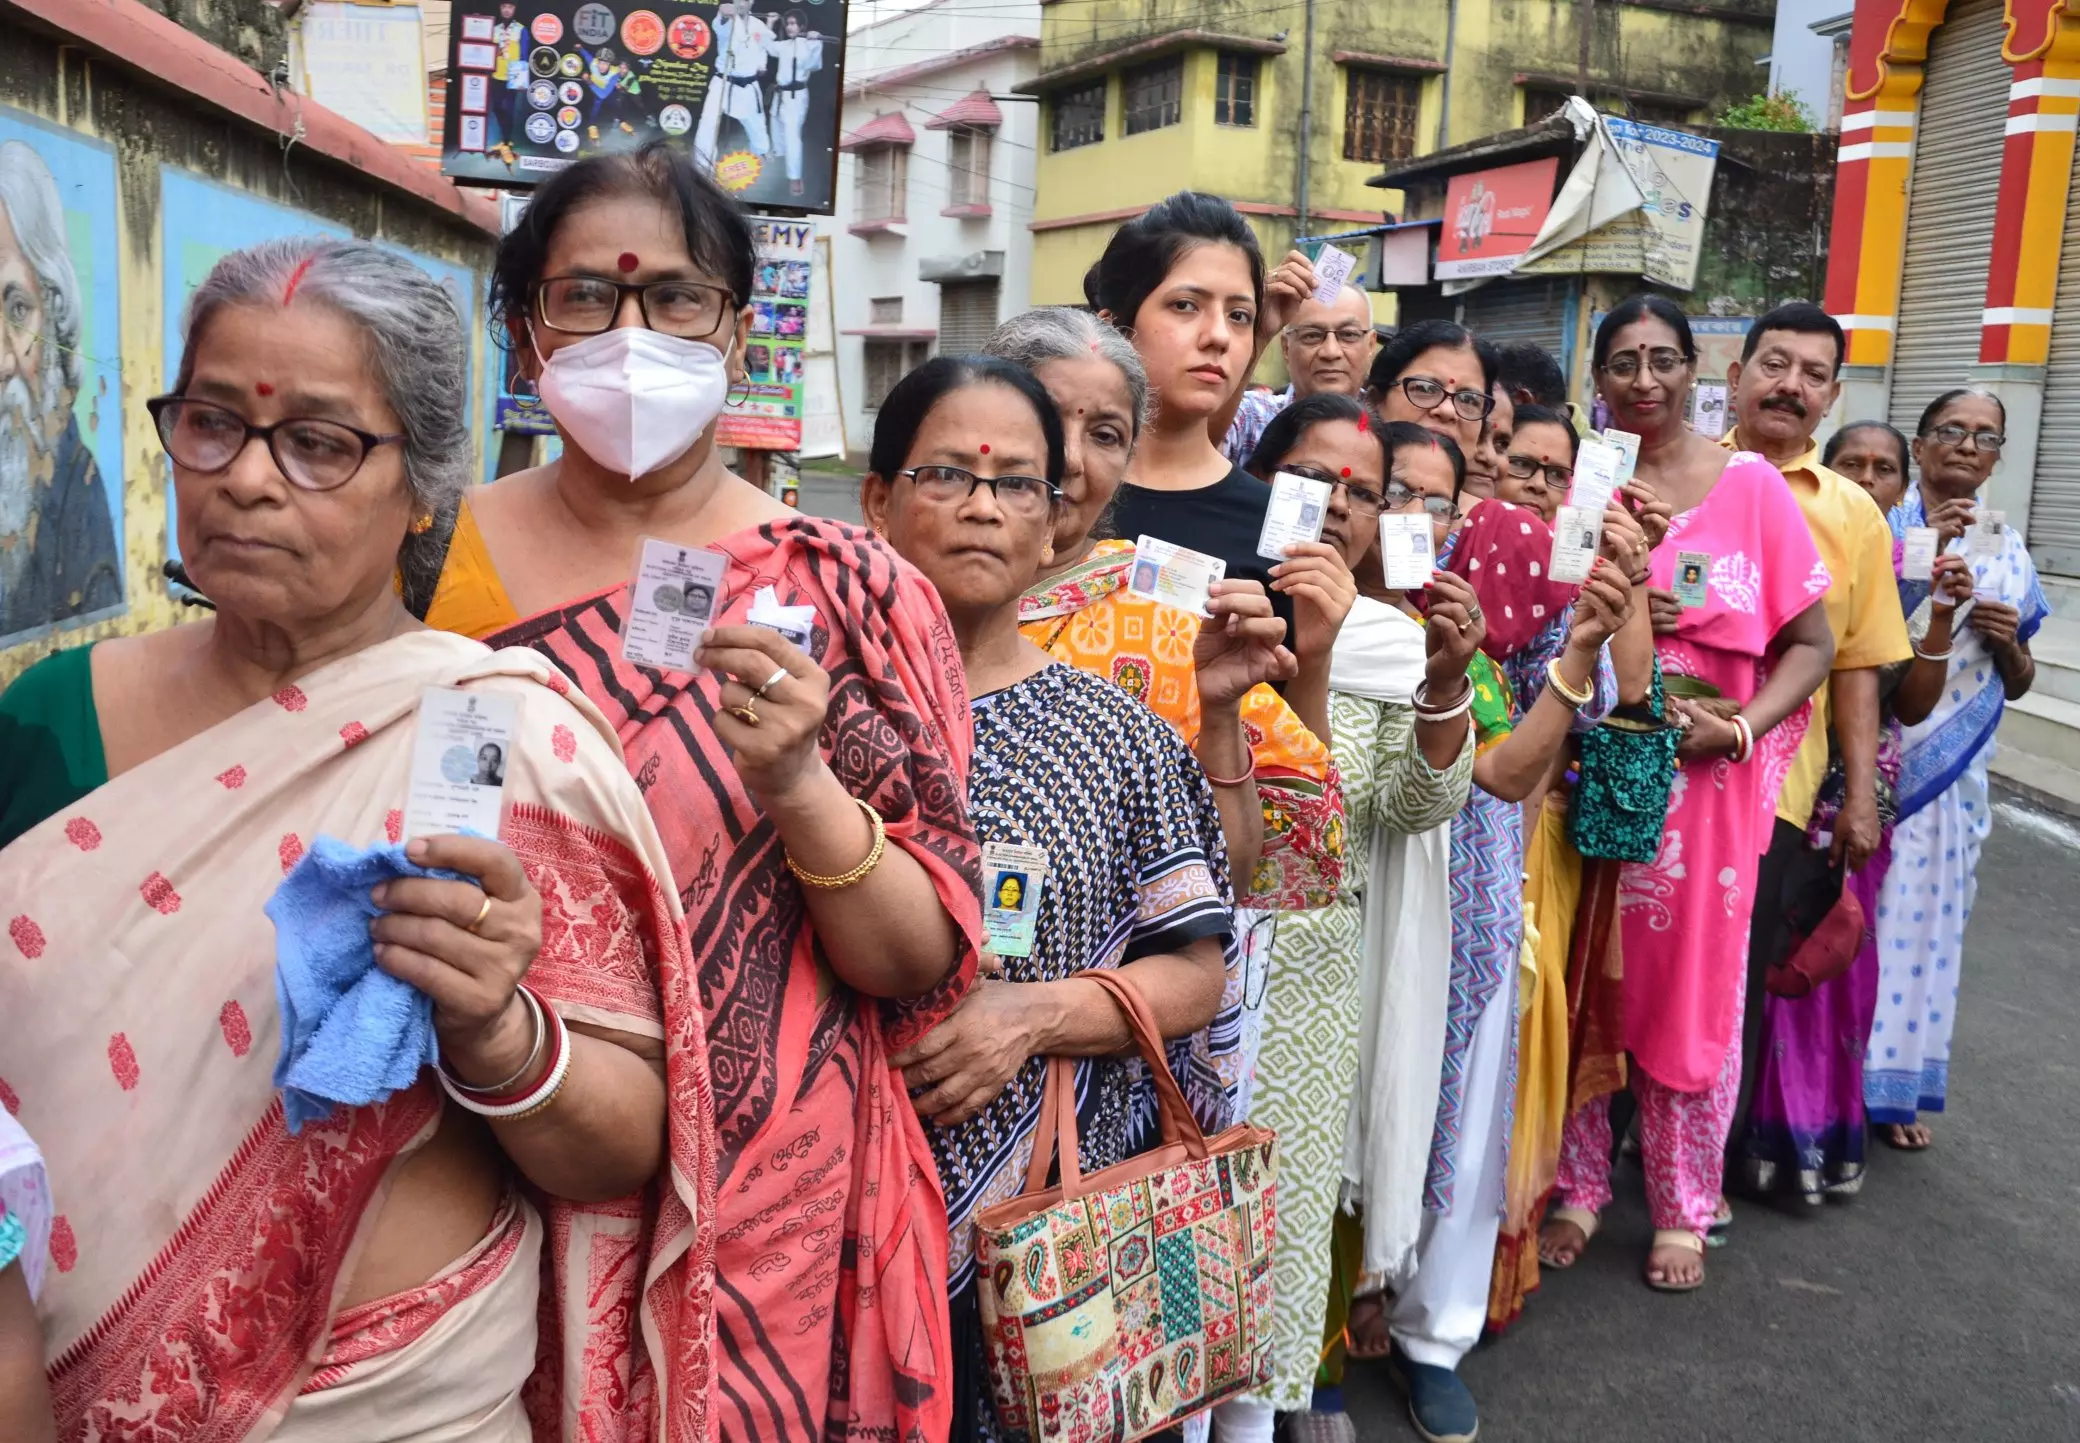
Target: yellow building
x=1142 y=98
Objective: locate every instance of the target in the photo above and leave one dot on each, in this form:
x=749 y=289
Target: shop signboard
x=1491 y=217
x=765 y=414
x=752 y=94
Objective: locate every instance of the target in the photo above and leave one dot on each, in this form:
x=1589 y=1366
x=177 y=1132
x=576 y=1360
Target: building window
x=1379 y=115
x=885 y=311
x=967 y=166
x=967 y=315
x=1079 y=115
x=1540 y=101
x=1235 y=90
x=887 y=363
x=883 y=184
x=1154 y=94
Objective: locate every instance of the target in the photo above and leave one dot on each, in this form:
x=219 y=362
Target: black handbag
x=1620 y=799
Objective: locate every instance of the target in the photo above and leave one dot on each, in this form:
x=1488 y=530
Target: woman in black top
x=1186 y=282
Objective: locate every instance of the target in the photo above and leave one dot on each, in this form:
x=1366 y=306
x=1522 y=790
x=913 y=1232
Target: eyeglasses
x=1427 y=395
x=1363 y=500
x=314 y=455
x=587 y=305
x=1988 y=441
x=1020 y=495
x=1311 y=337
x=1662 y=361
x=1525 y=467
x=1439 y=508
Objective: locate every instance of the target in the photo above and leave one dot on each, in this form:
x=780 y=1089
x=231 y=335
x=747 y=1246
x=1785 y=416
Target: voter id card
x=674 y=598
x=1012 y=877
x=1596 y=466
x=1576 y=532
x=1984 y=539
x=1628 y=452
x=1332 y=268
x=1918 y=556
x=1298 y=506
x=1693 y=578
x=460 y=750
x=1174 y=575
x=1407 y=550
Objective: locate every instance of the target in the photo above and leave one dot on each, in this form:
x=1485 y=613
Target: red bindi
x=985 y=448
x=265 y=388
x=1364 y=422
x=1346 y=473
x=629 y=261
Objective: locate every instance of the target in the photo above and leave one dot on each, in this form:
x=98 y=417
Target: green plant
x=1780 y=110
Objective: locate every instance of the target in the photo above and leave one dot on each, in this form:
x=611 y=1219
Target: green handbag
x=1621 y=796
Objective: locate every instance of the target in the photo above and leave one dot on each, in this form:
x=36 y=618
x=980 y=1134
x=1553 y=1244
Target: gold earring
x=1047 y=553
x=422 y=523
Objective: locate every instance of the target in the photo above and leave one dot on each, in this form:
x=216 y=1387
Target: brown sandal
x=1680 y=1239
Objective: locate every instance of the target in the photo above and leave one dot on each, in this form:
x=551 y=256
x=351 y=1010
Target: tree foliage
x=1781 y=110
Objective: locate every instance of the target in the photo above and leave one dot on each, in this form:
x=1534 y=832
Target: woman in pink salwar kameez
x=1735 y=591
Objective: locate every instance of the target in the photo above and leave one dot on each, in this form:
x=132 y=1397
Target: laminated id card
x=1918 y=557
x=1596 y=466
x=1332 y=267
x=1298 y=506
x=1984 y=539
x=1693 y=578
x=1174 y=575
x=459 y=755
x=1576 y=533
x=1407 y=550
x=676 y=591
x=1012 y=877
x=1628 y=451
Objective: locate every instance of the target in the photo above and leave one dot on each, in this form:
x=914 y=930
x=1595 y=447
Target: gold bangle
x=857 y=874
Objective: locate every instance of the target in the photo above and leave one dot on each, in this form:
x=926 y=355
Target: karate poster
x=752 y=91
x=770 y=417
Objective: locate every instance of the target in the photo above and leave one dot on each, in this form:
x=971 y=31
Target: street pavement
x=1941 y=1303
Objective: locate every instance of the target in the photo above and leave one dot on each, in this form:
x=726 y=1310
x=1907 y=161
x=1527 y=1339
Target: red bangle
x=1242 y=781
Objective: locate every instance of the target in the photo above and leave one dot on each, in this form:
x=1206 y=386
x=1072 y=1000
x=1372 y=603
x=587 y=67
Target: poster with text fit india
x=751 y=90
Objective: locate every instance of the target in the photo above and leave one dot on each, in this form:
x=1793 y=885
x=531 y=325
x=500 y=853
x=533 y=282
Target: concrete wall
x=158 y=175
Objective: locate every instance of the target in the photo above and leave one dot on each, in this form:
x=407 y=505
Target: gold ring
x=744 y=713
x=779 y=675
x=482 y=912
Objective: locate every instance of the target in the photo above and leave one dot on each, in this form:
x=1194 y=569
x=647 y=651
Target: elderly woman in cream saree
x=437 y=1264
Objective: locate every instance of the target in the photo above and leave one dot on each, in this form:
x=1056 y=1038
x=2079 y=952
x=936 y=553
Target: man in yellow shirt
x=1782 y=388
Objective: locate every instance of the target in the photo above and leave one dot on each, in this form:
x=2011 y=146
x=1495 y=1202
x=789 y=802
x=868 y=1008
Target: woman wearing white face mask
x=811 y=797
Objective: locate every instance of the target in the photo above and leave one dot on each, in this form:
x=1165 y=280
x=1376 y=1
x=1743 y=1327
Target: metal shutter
x=1509 y=311
x=1955 y=177
x=967 y=314
x=2054 y=508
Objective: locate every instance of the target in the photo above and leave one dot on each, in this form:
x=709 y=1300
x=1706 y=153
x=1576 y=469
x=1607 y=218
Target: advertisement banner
x=770 y=419
x=1491 y=216
x=366 y=62
x=535 y=85
x=1671 y=172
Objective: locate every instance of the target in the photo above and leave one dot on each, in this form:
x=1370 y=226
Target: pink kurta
x=1685 y=914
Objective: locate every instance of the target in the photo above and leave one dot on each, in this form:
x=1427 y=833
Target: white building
x=929 y=246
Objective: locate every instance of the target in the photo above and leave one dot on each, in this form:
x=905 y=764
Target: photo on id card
x=461 y=747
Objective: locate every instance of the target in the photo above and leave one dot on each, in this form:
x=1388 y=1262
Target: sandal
x=1899 y=1136
x=1374 y=1316
x=1722 y=1222
x=1581 y=1220
x=1675 y=1239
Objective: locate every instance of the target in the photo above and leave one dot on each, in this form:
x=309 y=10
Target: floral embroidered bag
x=1115 y=1305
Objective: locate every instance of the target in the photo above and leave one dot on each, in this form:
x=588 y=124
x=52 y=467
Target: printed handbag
x=1620 y=801
x=1118 y=1304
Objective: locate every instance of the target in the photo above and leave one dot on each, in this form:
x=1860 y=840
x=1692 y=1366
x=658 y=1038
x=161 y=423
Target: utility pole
x=1585 y=18
x=1302 y=221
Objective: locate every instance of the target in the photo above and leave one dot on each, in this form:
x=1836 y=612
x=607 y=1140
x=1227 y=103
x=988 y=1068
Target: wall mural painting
x=61 y=418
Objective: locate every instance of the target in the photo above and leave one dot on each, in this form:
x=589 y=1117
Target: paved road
x=1943 y=1303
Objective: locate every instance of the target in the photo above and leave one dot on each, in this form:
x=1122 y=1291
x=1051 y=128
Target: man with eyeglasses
x=1783 y=386
x=1327 y=348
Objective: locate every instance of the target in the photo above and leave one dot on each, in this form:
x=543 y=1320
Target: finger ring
x=1473 y=613
x=1462 y=625
x=779 y=675
x=744 y=713
x=482 y=912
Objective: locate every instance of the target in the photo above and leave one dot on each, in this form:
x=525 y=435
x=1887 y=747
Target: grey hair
x=415 y=348
x=1067 y=333
x=29 y=196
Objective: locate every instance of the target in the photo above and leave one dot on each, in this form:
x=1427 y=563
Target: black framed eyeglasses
x=1438 y=508
x=1022 y=495
x=587 y=305
x=1525 y=467
x=1663 y=361
x=1988 y=441
x=314 y=454
x=1427 y=395
x=1363 y=500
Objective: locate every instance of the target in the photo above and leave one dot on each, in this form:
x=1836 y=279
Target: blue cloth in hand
x=351 y=1033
